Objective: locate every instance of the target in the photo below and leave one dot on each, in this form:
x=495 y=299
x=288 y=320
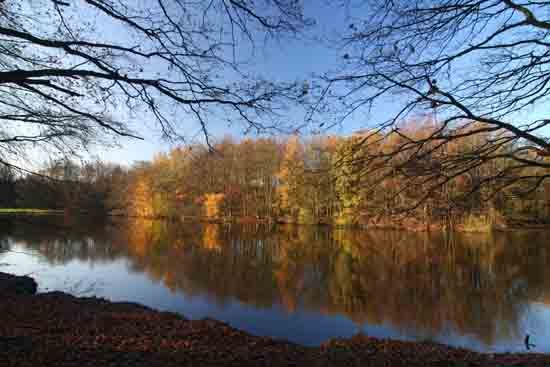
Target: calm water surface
x=305 y=284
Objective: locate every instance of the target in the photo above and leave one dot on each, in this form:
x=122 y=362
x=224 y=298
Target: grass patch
x=29 y=211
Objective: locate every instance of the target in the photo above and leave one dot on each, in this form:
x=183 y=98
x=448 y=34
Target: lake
x=301 y=283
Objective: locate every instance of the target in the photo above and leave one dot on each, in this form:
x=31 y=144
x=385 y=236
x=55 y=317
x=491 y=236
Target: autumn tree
x=319 y=201
x=141 y=195
x=349 y=185
x=212 y=205
x=185 y=161
x=317 y=180
x=290 y=188
x=257 y=162
x=266 y=162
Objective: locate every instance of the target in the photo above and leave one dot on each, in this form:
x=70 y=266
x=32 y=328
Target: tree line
x=75 y=75
x=315 y=180
x=322 y=179
x=92 y=187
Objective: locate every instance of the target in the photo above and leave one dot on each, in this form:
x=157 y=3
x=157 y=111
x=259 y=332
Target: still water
x=302 y=283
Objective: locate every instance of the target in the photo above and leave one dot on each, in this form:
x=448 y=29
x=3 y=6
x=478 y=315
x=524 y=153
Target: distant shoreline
x=404 y=224
x=30 y=211
x=516 y=225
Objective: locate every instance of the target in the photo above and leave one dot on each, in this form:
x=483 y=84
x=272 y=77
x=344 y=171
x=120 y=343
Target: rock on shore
x=17 y=284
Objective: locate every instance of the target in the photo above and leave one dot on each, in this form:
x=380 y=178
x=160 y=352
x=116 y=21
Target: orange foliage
x=212 y=204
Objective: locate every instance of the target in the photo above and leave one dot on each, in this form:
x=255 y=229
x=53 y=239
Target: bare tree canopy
x=474 y=67
x=74 y=72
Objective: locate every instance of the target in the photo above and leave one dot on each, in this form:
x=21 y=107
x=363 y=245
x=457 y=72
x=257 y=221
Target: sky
x=283 y=61
x=289 y=60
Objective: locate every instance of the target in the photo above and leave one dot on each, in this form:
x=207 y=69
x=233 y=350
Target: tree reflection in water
x=473 y=284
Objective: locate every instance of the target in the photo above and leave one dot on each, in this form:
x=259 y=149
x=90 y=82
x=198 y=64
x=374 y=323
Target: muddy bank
x=56 y=329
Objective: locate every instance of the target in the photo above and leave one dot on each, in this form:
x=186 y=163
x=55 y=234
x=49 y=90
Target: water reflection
x=478 y=287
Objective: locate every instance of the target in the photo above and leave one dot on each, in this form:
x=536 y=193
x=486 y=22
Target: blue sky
x=288 y=60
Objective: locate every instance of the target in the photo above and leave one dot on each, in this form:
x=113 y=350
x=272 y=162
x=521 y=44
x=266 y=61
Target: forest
x=448 y=105
x=314 y=180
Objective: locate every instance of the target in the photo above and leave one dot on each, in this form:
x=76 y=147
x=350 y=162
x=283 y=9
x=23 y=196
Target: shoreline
x=404 y=224
x=58 y=329
x=385 y=226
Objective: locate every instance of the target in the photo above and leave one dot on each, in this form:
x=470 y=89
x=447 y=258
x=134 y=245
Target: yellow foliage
x=212 y=204
x=142 y=199
x=211 y=237
x=291 y=175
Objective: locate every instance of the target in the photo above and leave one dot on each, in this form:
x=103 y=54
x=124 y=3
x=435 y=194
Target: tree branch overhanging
x=466 y=70
x=161 y=63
